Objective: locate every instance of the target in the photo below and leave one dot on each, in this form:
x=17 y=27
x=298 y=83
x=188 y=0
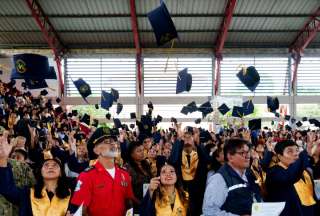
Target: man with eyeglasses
x=289 y=181
x=103 y=189
x=232 y=190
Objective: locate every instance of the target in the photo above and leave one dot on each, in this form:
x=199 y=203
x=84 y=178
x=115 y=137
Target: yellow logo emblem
x=21 y=66
x=83 y=89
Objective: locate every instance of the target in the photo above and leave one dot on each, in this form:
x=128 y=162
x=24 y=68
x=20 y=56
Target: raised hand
x=154 y=184
x=5 y=149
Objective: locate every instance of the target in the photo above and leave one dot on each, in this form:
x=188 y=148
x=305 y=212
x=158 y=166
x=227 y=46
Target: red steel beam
x=302 y=40
x=50 y=35
x=134 y=26
x=221 y=38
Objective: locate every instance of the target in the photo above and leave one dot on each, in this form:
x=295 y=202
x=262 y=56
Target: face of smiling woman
x=168 y=175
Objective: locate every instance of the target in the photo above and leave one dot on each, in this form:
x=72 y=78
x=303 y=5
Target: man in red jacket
x=103 y=189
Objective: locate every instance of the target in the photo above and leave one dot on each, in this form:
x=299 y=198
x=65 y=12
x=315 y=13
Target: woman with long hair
x=48 y=197
x=165 y=196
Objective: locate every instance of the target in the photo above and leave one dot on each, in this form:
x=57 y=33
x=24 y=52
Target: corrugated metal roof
x=27 y=38
x=16 y=7
x=259 y=38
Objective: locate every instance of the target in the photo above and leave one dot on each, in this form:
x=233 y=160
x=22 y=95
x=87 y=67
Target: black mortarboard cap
x=58 y=100
x=192 y=106
x=85 y=119
x=314 y=121
x=288 y=128
x=117 y=123
x=106 y=100
x=96 y=106
x=223 y=109
x=254 y=124
x=115 y=94
x=162 y=24
x=95 y=122
x=287 y=117
x=132 y=126
x=108 y=116
x=74 y=112
x=237 y=111
x=299 y=123
x=276 y=114
x=293 y=120
x=35 y=83
x=133 y=115
x=205 y=108
x=304 y=119
x=197 y=121
x=248 y=107
x=184 y=81
x=185 y=110
x=273 y=103
x=249 y=77
x=58 y=110
x=158 y=119
x=150 y=105
x=44 y=92
x=83 y=88
x=119 y=108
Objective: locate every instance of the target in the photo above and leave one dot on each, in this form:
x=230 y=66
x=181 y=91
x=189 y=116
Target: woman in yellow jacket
x=165 y=196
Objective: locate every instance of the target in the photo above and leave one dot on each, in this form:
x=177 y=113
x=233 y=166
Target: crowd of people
x=50 y=166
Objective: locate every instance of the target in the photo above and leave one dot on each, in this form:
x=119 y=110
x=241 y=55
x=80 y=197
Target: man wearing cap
x=232 y=190
x=103 y=189
x=290 y=182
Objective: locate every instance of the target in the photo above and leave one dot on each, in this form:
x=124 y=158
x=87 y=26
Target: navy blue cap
x=184 y=110
x=83 y=88
x=293 y=120
x=192 y=106
x=205 y=108
x=287 y=117
x=133 y=115
x=223 y=109
x=248 y=107
x=299 y=124
x=106 y=100
x=158 y=119
x=119 y=108
x=162 y=24
x=85 y=119
x=273 y=103
x=115 y=94
x=254 y=124
x=237 y=111
x=35 y=84
x=276 y=114
x=249 y=77
x=52 y=74
x=30 y=66
x=184 y=81
x=117 y=123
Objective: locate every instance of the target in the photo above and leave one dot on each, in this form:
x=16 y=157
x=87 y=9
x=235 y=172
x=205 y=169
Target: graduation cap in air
x=83 y=88
x=35 y=84
x=162 y=24
x=158 y=119
x=185 y=110
x=58 y=110
x=150 y=105
x=74 y=112
x=30 y=66
x=288 y=128
x=95 y=122
x=115 y=94
x=248 y=107
x=205 y=108
x=117 y=123
x=293 y=120
x=276 y=114
x=58 y=100
x=223 y=109
x=52 y=73
x=133 y=115
x=237 y=111
x=96 y=106
x=299 y=123
x=273 y=103
x=197 y=121
x=108 y=116
x=119 y=108
x=304 y=119
x=254 y=124
x=106 y=100
x=287 y=117
x=249 y=77
x=315 y=122
x=85 y=119
x=44 y=92
x=192 y=106
x=184 y=81
x=132 y=126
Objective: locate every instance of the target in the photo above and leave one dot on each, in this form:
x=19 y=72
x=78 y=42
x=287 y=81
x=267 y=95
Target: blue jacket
x=280 y=186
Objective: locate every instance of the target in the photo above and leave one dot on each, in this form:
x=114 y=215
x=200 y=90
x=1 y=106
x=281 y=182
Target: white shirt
x=112 y=172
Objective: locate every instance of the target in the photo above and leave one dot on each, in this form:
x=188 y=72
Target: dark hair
x=178 y=185
x=280 y=146
x=145 y=165
x=232 y=145
x=62 y=190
